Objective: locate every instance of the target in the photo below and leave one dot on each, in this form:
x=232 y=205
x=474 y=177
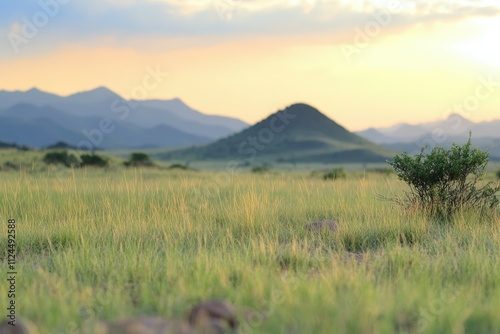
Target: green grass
x=99 y=245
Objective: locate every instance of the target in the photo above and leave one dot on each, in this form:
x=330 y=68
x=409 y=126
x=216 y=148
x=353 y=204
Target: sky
x=364 y=63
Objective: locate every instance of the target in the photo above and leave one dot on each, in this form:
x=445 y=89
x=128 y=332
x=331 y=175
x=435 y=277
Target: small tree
x=93 y=160
x=446 y=181
x=62 y=158
x=139 y=160
x=498 y=174
x=334 y=174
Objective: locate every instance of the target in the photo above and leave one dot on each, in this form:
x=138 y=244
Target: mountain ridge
x=454 y=126
x=35 y=129
x=84 y=110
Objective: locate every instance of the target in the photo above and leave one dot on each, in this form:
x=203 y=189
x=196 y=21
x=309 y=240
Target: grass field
x=99 y=245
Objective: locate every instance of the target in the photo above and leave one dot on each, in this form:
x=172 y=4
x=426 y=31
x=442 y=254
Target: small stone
x=213 y=316
x=21 y=327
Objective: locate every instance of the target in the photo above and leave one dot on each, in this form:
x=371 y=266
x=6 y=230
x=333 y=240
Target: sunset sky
x=362 y=62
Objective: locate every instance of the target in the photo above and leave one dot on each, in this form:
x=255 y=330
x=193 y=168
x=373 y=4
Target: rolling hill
x=299 y=133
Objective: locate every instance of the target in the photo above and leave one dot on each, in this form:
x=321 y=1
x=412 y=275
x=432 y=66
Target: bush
x=139 y=160
x=334 y=174
x=93 y=160
x=498 y=174
x=446 y=181
x=260 y=169
x=61 y=158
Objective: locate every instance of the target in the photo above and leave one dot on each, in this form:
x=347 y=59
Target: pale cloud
x=125 y=21
x=415 y=7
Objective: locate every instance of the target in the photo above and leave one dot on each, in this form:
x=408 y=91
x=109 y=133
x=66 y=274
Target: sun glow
x=482 y=46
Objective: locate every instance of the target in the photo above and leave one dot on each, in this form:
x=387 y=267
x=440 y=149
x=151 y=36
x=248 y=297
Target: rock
x=208 y=317
x=322 y=224
x=213 y=316
x=148 y=325
x=21 y=327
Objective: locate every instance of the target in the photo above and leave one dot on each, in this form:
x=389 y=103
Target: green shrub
x=260 y=169
x=61 y=158
x=93 y=160
x=498 y=174
x=446 y=181
x=334 y=174
x=139 y=160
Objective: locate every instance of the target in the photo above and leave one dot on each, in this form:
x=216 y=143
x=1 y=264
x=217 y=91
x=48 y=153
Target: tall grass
x=95 y=245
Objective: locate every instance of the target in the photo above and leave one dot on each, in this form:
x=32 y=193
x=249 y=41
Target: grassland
x=96 y=245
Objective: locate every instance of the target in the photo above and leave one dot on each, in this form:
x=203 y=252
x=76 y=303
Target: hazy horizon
x=270 y=112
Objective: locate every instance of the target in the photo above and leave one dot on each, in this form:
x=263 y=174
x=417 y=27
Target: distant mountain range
x=101 y=119
x=454 y=129
x=297 y=134
x=455 y=126
x=104 y=120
